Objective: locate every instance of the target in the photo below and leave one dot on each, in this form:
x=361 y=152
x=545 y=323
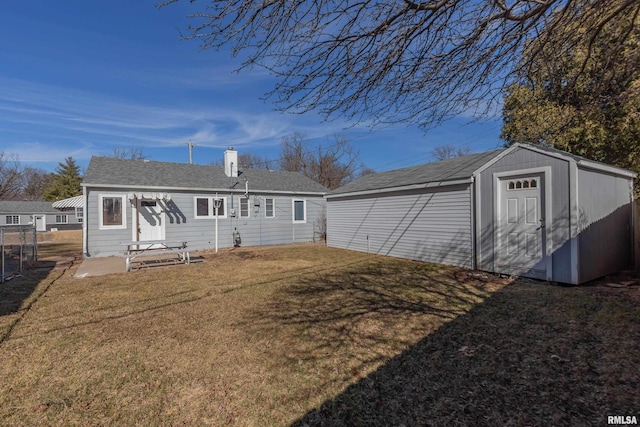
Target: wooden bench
x=151 y=248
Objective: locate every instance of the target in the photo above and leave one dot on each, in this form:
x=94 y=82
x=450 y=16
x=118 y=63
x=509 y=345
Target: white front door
x=41 y=222
x=521 y=236
x=150 y=220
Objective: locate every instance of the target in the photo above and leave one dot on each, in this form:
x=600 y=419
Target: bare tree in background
x=133 y=152
x=252 y=161
x=331 y=165
x=11 y=179
x=396 y=61
x=35 y=181
x=449 y=151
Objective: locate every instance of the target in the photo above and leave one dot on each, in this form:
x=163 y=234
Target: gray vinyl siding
x=520 y=159
x=433 y=226
x=181 y=224
x=604 y=223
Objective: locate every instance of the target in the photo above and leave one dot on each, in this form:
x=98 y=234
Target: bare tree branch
x=393 y=61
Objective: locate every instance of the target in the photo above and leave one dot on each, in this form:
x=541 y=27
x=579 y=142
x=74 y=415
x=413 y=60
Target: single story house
x=43 y=214
x=140 y=200
x=524 y=210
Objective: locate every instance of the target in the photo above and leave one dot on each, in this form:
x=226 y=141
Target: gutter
x=428 y=185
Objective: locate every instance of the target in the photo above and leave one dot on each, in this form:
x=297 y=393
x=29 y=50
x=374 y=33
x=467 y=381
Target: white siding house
x=524 y=210
x=139 y=200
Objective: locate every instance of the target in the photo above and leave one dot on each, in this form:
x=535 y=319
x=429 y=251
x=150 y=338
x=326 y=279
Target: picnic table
x=149 y=248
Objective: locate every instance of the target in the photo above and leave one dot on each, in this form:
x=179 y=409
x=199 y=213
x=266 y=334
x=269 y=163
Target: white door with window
x=150 y=221
x=41 y=222
x=521 y=226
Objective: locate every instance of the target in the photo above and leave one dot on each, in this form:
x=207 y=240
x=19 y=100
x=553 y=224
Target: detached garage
x=524 y=210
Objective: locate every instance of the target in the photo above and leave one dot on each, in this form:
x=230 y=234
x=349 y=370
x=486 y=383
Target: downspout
x=85 y=249
x=137 y=224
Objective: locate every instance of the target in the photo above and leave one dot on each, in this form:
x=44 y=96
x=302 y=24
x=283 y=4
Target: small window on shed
x=512 y=185
x=518 y=185
x=525 y=184
x=534 y=183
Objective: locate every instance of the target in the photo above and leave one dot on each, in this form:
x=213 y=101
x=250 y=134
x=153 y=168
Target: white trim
x=101 y=198
x=135 y=230
x=589 y=164
x=495 y=159
x=12 y=216
x=210 y=208
x=273 y=207
x=477 y=187
x=474 y=224
x=248 y=215
x=574 y=216
x=428 y=185
x=586 y=163
x=293 y=211
x=85 y=240
x=549 y=223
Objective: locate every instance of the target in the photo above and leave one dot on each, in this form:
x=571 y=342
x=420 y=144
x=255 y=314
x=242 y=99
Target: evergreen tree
x=66 y=181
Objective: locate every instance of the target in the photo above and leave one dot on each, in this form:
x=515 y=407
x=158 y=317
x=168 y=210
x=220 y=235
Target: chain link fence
x=19 y=244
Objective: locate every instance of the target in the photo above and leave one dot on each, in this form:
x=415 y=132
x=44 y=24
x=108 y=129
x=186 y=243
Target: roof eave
x=201 y=189
x=422 y=186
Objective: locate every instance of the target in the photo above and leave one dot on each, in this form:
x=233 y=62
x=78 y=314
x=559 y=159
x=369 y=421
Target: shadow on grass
x=530 y=354
x=14 y=292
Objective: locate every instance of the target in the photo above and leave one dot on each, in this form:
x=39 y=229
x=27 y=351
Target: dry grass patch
x=261 y=336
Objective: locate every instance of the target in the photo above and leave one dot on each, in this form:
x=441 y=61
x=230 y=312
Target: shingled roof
x=114 y=172
x=26 y=207
x=442 y=171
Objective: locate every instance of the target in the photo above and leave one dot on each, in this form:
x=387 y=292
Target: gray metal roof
x=109 y=171
x=442 y=171
x=26 y=207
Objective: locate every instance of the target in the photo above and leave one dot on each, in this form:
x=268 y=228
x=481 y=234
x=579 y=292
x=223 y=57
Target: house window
x=202 y=207
x=299 y=211
x=13 y=219
x=244 y=207
x=205 y=207
x=113 y=212
x=218 y=203
x=269 y=208
x=61 y=219
x=80 y=214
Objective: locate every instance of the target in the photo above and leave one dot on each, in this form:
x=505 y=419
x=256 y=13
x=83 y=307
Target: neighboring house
x=72 y=206
x=524 y=210
x=43 y=214
x=139 y=200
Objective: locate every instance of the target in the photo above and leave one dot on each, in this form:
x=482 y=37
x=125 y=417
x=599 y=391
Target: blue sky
x=78 y=78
